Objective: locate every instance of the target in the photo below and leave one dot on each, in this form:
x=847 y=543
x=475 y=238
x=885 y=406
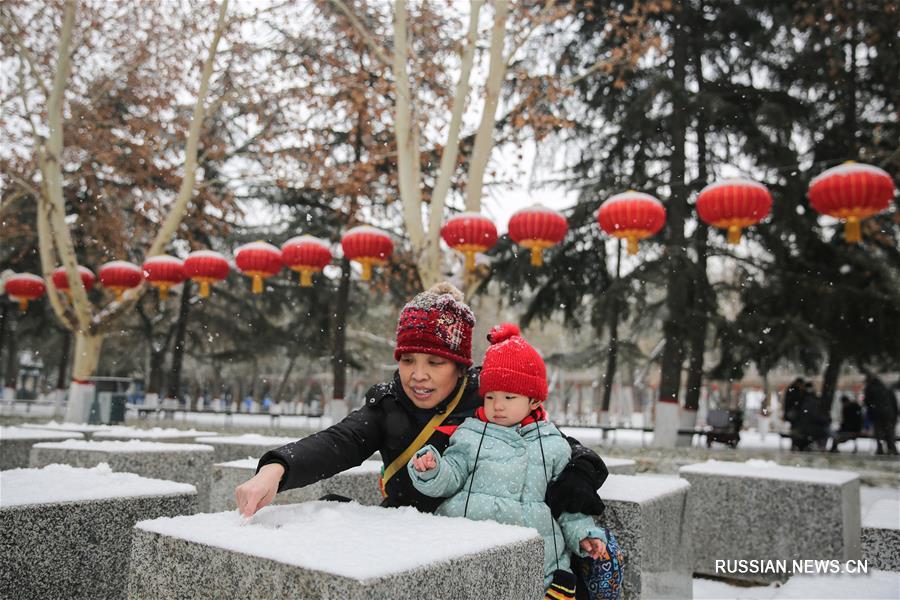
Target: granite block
x=359 y=483
x=186 y=463
x=647 y=515
x=196 y=557
x=77 y=549
x=621 y=466
x=16 y=443
x=759 y=510
x=881 y=548
x=229 y=448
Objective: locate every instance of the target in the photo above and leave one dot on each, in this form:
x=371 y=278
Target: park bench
x=66 y=532
x=724 y=427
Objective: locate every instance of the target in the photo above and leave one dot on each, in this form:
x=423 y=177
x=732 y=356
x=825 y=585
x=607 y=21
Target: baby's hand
x=425 y=462
x=595 y=548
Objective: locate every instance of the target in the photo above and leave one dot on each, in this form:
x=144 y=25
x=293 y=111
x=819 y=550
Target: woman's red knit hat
x=512 y=365
x=438 y=322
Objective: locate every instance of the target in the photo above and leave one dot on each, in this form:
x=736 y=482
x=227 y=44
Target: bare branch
x=521 y=42
x=376 y=48
x=17 y=36
x=483 y=139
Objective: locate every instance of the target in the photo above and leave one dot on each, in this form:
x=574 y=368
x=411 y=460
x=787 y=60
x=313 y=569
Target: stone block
x=881 y=534
x=646 y=513
x=168 y=435
x=237 y=447
x=621 y=466
x=16 y=443
x=359 y=483
x=758 y=510
x=186 y=463
x=66 y=532
x=325 y=550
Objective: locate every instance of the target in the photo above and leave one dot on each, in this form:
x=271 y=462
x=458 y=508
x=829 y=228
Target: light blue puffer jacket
x=509 y=483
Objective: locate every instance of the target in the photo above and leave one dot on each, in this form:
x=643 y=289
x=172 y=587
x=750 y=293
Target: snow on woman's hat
x=438 y=322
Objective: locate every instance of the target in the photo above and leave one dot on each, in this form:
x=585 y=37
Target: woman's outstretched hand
x=595 y=548
x=423 y=463
x=259 y=490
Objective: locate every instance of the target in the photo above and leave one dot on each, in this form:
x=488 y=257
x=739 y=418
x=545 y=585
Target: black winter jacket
x=388 y=422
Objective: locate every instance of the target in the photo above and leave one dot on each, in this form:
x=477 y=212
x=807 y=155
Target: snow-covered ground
x=873 y=585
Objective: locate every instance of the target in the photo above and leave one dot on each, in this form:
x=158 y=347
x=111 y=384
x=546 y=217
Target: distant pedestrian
x=883 y=406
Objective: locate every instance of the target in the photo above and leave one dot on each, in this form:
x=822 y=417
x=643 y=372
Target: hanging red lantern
x=633 y=216
x=25 y=287
x=306 y=255
x=205 y=267
x=733 y=204
x=61 y=280
x=537 y=228
x=851 y=192
x=120 y=275
x=368 y=246
x=258 y=260
x=162 y=272
x=469 y=232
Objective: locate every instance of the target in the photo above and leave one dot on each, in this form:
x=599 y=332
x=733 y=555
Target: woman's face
x=427 y=378
x=506 y=408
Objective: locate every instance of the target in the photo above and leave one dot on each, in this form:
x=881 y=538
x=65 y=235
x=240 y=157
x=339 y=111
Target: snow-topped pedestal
x=16 y=443
x=84 y=429
x=187 y=463
x=620 y=466
x=237 y=447
x=647 y=515
x=66 y=532
x=154 y=434
x=881 y=535
x=334 y=550
x=760 y=511
x=359 y=483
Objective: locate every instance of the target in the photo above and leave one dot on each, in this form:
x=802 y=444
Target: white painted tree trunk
x=688 y=420
x=81 y=391
x=665 y=432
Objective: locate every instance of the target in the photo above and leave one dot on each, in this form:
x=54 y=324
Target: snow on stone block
x=235 y=447
x=333 y=550
x=359 y=483
x=621 y=466
x=155 y=434
x=187 y=463
x=16 y=442
x=646 y=514
x=83 y=428
x=66 y=532
x=881 y=535
x=759 y=509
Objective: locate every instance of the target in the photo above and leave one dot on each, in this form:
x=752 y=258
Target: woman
x=432 y=392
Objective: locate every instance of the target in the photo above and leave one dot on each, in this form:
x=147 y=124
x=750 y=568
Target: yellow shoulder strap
x=423 y=436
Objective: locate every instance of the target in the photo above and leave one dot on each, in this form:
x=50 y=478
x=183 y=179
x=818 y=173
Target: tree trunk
x=84 y=367
x=63 y=367
x=832 y=371
x=11 y=370
x=666 y=425
x=279 y=394
x=174 y=387
x=4 y=317
x=339 y=329
x=613 y=348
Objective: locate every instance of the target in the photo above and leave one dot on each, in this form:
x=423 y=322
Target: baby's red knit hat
x=438 y=322
x=512 y=365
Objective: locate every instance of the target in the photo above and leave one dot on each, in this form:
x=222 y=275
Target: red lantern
x=367 y=246
x=163 y=272
x=24 y=287
x=537 y=228
x=469 y=232
x=205 y=267
x=633 y=216
x=258 y=260
x=306 y=255
x=851 y=192
x=120 y=275
x=733 y=204
x=61 y=280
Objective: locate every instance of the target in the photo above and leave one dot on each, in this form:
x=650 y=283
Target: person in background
x=883 y=405
x=851 y=422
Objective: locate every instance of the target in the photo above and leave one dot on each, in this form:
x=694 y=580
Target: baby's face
x=506 y=408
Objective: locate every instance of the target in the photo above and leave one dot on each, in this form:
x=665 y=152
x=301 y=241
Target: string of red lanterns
x=469 y=233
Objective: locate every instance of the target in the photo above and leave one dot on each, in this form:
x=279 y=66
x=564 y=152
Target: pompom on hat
x=512 y=365
x=438 y=322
